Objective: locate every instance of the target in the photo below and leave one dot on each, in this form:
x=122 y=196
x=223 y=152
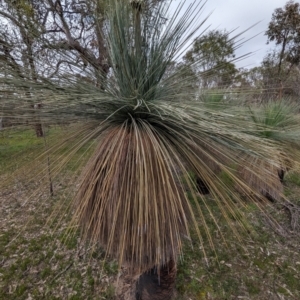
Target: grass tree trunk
x=157 y=284
x=154 y=284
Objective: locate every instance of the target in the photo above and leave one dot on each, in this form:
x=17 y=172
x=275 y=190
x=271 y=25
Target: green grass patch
x=293 y=177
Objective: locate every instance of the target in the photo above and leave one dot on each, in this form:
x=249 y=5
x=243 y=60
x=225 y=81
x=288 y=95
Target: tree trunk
x=39 y=130
x=157 y=284
x=38 y=125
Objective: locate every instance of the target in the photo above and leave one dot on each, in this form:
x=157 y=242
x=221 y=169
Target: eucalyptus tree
x=56 y=34
x=38 y=39
x=284 y=30
x=35 y=34
x=149 y=135
x=274 y=85
x=213 y=54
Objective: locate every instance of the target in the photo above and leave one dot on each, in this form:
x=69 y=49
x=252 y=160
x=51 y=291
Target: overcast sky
x=242 y=14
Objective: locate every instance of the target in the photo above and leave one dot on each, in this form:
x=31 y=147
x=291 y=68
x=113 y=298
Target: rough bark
x=149 y=285
x=157 y=284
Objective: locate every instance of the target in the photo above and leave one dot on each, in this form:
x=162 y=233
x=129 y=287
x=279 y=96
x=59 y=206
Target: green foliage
x=284 y=29
x=274 y=116
x=213 y=99
x=211 y=56
x=293 y=177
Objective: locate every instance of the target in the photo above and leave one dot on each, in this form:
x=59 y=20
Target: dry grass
x=130 y=164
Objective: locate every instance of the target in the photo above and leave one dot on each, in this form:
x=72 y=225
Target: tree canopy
x=284 y=30
x=212 y=55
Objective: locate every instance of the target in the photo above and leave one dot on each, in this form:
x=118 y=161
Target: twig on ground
x=62 y=272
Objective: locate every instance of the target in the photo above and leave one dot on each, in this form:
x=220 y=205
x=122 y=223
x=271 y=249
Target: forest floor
x=39 y=259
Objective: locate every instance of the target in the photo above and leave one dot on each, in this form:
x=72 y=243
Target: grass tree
x=150 y=135
x=278 y=121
